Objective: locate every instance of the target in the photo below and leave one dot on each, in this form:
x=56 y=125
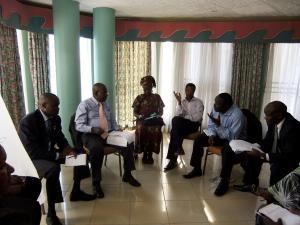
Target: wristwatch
x=263 y=157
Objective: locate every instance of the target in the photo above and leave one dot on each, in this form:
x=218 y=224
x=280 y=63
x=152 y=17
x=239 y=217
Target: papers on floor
x=274 y=212
x=79 y=160
x=239 y=146
x=120 y=138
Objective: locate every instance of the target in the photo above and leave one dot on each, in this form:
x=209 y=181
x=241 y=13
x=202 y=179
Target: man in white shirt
x=189 y=112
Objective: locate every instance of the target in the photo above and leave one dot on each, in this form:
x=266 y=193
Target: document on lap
x=79 y=160
x=239 y=146
x=120 y=138
x=275 y=212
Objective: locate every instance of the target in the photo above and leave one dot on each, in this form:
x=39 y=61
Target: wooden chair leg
x=43 y=209
x=205 y=160
x=162 y=149
x=105 y=160
x=120 y=164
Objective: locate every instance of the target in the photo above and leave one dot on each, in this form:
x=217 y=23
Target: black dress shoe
x=98 y=191
x=222 y=187
x=245 y=187
x=131 y=180
x=53 y=220
x=193 y=173
x=171 y=165
x=81 y=196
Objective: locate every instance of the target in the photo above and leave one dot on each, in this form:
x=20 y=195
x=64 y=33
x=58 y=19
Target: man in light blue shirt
x=87 y=121
x=226 y=123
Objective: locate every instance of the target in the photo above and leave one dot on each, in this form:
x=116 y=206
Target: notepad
x=120 y=138
x=79 y=160
x=274 y=212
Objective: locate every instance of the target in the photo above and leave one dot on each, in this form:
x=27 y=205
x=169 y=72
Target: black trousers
x=50 y=170
x=251 y=165
x=280 y=170
x=198 y=150
x=23 y=208
x=96 y=145
x=180 y=128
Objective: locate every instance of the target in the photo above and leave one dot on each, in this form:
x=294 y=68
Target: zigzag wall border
x=39 y=19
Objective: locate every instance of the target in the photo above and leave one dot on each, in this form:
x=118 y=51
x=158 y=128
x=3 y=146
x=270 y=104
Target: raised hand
x=177 y=96
x=216 y=121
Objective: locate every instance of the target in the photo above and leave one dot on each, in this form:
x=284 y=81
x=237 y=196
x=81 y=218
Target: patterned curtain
x=39 y=63
x=132 y=62
x=249 y=75
x=10 y=74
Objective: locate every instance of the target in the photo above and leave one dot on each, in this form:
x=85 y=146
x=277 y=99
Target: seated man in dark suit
x=226 y=123
x=42 y=137
x=94 y=120
x=281 y=143
x=18 y=196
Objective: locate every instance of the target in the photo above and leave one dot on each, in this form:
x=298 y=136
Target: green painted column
x=103 y=49
x=28 y=79
x=66 y=19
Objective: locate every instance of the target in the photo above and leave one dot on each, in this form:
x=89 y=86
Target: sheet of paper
x=120 y=138
x=242 y=146
x=274 y=212
x=79 y=160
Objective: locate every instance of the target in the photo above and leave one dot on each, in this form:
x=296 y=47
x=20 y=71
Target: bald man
x=88 y=122
x=281 y=143
x=42 y=137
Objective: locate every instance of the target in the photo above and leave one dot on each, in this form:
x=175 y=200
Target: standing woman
x=148 y=109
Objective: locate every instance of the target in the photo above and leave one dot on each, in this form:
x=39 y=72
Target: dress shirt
x=233 y=124
x=191 y=110
x=87 y=116
x=279 y=126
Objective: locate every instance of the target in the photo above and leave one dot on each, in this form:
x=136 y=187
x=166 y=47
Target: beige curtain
x=248 y=75
x=39 y=63
x=132 y=62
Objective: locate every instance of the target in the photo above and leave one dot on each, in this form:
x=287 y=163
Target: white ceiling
x=203 y=9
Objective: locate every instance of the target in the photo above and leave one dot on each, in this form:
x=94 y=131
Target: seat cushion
x=109 y=149
x=215 y=149
x=193 y=136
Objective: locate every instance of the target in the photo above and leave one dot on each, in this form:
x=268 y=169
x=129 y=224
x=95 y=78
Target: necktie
x=103 y=121
x=48 y=124
x=274 y=146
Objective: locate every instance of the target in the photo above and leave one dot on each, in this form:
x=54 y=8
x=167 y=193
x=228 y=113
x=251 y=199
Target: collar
x=43 y=115
x=193 y=98
x=96 y=102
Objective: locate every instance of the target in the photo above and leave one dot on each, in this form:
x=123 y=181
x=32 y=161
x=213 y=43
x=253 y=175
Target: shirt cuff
x=267 y=157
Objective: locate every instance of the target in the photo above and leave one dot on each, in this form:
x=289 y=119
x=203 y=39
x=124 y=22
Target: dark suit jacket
x=36 y=138
x=288 y=152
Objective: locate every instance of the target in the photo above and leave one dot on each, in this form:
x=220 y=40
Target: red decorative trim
x=242 y=29
x=26 y=12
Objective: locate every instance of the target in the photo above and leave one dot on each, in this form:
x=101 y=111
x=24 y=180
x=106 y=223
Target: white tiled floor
x=163 y=198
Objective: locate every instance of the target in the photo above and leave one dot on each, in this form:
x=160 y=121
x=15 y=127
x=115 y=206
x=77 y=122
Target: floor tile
x=186 y=211
x=148 y=212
